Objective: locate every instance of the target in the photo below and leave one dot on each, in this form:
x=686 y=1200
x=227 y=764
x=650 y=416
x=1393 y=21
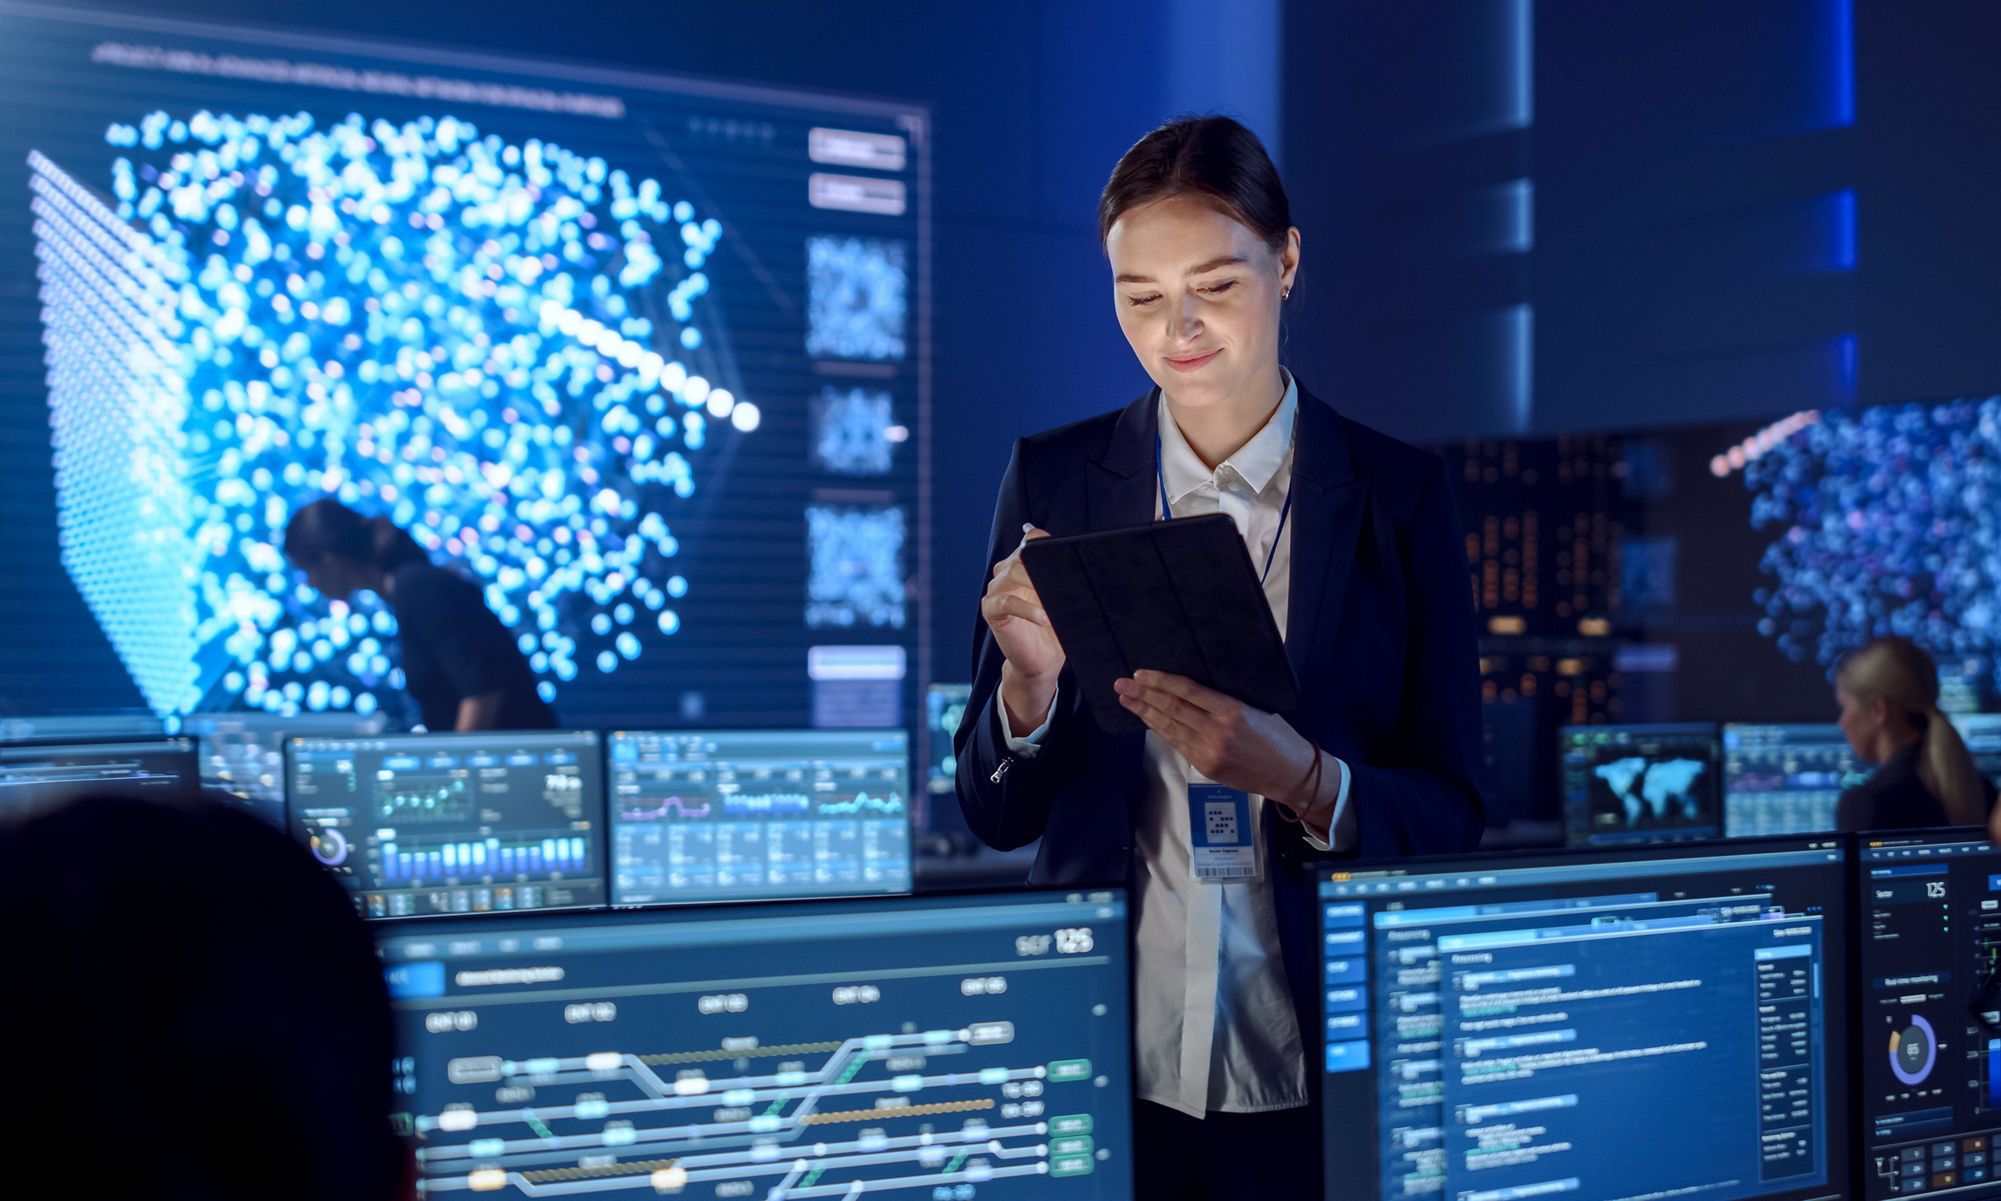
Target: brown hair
x=1212 y=157
x=1899 y=671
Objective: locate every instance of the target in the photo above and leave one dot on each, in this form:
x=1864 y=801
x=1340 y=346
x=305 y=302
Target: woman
x=1365 y=574
x=1888 y=693
x=459 y=663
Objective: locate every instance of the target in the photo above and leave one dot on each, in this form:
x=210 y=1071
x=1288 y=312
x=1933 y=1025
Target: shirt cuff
x=1030 y=746
x=1340 y=834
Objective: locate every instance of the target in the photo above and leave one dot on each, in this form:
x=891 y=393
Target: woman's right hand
x=1021 y=629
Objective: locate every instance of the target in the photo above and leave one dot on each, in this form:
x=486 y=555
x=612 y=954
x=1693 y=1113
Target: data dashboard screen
x=1785 y=779
x=1662 y=1021
x=750 y=814
x=911 y=1048
x=1640 y=783
x=44 y=773
x=454 y=823
x=1929 y=964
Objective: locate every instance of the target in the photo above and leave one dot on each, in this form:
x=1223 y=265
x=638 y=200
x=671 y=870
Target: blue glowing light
x=856 y=298
x=855 y=567
x=497 y=345
x=853 y=431
x=1885 y=520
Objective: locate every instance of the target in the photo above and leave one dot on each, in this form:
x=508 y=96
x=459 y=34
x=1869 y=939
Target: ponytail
x=1946 y=768
x=1899 y=671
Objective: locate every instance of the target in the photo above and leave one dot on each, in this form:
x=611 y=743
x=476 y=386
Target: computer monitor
x=1646 y=1021
x=1644 y=783
x=244 y=753
x=1785 y=779
x=81 y=727
x=752 y=814
x=419 y=824
x=1982 y=734
x=944 y=705
x=33 y=774
x=908 y=1047
x=1929 y=959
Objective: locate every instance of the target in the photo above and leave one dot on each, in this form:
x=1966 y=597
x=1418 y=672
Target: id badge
x=1219 y=827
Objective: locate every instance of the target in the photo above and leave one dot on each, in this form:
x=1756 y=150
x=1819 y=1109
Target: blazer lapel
x=1121 y=485
x=1328 y=504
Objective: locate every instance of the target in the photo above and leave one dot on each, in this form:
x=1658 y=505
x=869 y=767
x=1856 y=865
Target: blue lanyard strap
x=1167 y=510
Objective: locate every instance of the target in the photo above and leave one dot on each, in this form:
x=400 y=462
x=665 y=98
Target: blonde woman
x=1888 y=692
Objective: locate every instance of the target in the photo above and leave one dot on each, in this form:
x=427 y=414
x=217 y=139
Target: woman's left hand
x=1221 y=737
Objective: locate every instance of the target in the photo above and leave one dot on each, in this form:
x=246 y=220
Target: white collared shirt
x=1214 y=1023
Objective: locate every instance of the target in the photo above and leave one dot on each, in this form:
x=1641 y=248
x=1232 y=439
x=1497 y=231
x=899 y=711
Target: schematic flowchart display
x=937 y=1048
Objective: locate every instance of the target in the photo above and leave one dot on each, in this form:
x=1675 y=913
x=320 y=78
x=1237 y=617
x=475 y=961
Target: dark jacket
x=1895 y=798
x=453 y=647
x=1380 y=633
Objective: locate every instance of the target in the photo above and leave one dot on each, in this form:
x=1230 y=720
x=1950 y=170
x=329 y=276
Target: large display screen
x=454 y=823
x=1930 y=965
x=39 y=774
x=1648 y=1022
x=643 y=357
x=1785 y=779
x=742 y=815
x=1640 y=783
x=912 y=1048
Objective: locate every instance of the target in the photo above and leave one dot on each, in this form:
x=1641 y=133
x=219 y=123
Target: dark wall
x=1713 y=212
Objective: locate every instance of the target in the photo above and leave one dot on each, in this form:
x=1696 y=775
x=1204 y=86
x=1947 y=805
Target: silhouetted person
x=460 y=664
x=191 y=1009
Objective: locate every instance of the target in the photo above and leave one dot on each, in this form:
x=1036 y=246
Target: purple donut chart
x=1914 y=1051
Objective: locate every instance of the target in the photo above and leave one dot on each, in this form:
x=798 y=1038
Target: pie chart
x=1913 y=1051
x=329 y=846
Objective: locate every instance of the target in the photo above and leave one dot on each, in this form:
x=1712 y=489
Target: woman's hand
x=1021 y=629
x=1228 y=741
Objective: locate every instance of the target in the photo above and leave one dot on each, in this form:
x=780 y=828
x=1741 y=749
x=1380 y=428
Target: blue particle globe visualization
x=502 y=345
x=1885 y=520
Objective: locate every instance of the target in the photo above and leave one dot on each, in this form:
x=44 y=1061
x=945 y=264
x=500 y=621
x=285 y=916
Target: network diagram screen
x=454 y=823
x=744 y=815
x=1640 y=783
x=1785 y=779
x=43 y=773
x=1649 y=1022
x=645 y=357
x=1929 y=965
x=912 y=1048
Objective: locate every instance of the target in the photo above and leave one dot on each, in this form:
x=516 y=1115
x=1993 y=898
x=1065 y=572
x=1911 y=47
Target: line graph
x=860 y=803
x=679 y=806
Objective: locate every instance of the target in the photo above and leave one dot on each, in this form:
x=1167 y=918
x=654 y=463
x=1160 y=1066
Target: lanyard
x=1167 y=510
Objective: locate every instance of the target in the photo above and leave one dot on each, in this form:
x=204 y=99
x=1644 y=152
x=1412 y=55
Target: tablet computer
x=1178 y=596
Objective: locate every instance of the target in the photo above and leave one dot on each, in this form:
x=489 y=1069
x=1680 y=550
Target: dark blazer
x=1895 y=798
x=1380 y=633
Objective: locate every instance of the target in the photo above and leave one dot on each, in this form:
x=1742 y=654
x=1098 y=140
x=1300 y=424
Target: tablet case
x=1178 y=596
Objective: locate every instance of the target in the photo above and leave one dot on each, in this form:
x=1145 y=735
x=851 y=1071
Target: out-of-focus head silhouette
x=189 y=1007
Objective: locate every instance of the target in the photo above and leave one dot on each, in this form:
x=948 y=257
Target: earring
x=1285 y=293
